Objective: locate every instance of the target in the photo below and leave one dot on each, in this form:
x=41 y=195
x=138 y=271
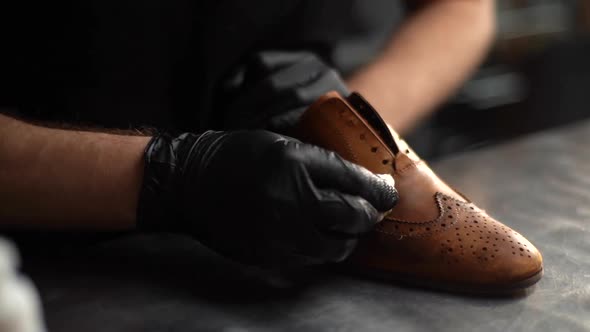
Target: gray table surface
x=539 y=185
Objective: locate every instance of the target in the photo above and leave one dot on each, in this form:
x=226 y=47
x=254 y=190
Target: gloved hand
x=271 y=89
x=260 y=198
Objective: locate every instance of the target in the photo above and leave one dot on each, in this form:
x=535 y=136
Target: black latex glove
x=259 y=197
x=273 y=88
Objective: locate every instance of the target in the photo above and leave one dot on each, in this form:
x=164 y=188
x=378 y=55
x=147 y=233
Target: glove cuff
x=172 y=168
x=155 y=198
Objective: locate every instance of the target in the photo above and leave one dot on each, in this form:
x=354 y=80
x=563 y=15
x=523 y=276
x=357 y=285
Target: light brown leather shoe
x=435 y=236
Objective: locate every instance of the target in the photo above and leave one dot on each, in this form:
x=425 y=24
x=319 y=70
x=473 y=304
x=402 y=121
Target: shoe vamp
x=417 y=186
x=463 y=244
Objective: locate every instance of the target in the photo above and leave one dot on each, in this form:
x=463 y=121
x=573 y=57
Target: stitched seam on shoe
x=442 y=212
x=339 y=133
x=428 y=222
x=428 y=233
x=377 y=142
x=348 y=147
x=414 y=164
x=400 y=171
x=440 y=209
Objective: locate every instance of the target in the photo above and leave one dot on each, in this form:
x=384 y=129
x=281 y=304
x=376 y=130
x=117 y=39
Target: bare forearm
x=425 y=62
x=68 y=179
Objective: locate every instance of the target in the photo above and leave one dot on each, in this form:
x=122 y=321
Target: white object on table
x=20 y=306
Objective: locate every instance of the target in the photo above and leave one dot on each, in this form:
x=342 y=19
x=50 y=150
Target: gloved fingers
x=380 y=193
x=287 y=80
x=330 y=171
x=345 y=214
x=286 y=123
x=273 y=83
x=305 y=93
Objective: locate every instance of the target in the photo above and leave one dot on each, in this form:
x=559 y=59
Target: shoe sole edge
x=508 y=289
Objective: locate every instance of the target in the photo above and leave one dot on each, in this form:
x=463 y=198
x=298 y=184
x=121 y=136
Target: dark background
x=537 y=76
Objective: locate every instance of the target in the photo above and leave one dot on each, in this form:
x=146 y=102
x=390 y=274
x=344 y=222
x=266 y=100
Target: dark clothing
x=129 y=63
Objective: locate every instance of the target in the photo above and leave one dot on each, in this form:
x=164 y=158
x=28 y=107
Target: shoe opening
x=374 y=119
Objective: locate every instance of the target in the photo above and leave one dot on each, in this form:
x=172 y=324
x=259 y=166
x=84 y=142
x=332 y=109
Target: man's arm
x=68 y=179
x=427 y=60
x=311 y=204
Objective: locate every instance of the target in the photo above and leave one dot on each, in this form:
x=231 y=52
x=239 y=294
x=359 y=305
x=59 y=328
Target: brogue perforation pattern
x=449 y=209
x=474 y=234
